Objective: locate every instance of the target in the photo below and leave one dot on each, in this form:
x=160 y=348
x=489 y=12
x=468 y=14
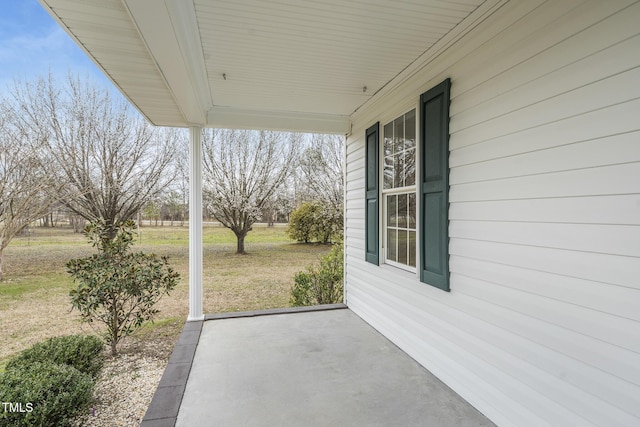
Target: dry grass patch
x=34 y=302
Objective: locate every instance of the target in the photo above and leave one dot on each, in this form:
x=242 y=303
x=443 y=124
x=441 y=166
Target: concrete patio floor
x=308 y=368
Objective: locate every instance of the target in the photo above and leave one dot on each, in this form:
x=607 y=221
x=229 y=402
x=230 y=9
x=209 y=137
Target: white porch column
x=195 y=224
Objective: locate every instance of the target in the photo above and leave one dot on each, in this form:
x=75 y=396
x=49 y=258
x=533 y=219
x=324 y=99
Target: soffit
x=296 y=64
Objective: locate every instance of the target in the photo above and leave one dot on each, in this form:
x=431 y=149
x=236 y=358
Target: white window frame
x=399 y=190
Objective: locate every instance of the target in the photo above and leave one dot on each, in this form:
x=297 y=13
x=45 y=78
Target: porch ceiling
x=286 y=64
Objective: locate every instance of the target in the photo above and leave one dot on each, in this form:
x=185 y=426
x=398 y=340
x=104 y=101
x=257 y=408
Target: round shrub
x=49 y=394
x=323 y=285
x=302 y=222
x=85 y=353
x=315 y=221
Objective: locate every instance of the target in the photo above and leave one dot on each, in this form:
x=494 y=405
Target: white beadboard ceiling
x=283 y=64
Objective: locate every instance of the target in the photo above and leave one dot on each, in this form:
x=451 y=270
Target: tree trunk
x=1 y=250
x=114 y=326
x=240 y=248
x=110 y=230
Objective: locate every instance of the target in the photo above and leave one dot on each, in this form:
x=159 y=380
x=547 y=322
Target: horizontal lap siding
x=542 y=323
x=612 y=209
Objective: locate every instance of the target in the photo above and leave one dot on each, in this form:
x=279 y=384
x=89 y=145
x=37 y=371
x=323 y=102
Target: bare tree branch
x=111 y=161
x=25 y=188
x=321 y=173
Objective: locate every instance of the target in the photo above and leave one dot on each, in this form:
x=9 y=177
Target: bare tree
x=174 y=201
x=181 y=164
x=321 y=170
x=110 y=159
x=242 y=171
x=24 y=186
x=321 y=176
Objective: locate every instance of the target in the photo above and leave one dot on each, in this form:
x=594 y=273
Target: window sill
x=396 y=270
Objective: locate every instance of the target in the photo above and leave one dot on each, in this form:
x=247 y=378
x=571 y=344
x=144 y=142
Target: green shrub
x=49 y=394
x=323 y=285
x=85 y=353
x=315 y=222
x=301 y=223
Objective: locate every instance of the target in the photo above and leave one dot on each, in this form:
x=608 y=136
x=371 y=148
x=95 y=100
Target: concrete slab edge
x=164 y=407
x=233 y=315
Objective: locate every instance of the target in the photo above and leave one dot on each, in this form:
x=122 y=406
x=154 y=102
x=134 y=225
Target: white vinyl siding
x=542 y=324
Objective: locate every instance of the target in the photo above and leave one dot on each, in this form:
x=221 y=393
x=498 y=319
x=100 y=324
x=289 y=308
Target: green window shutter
x=372 y=236
x=434 y=186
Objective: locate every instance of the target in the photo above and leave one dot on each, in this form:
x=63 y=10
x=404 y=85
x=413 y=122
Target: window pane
x=410 y=129
x=401 y=171
x=411 y=211
x=388 y=139
x=410 y=146
x=392 y=217
x=387 y=173
x=410 y=167
x=391 y=245
x=398 y=171
x=400 y=152
x=402 y=210
x=398 y=133
x=412 y=248
x=403 y=250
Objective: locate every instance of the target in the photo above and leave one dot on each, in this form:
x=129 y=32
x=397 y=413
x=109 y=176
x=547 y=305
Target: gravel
x=124 y=390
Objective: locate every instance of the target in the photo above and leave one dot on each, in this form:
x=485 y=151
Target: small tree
x=117 y=287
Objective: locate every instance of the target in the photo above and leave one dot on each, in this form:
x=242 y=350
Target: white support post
x=195 y=225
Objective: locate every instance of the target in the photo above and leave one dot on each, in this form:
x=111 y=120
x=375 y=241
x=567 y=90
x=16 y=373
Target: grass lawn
x=34 y=302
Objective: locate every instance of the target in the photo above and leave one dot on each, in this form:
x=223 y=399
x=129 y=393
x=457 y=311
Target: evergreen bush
x=43 y=394
x=301 y=223
x=85 y=353
x=117 y=287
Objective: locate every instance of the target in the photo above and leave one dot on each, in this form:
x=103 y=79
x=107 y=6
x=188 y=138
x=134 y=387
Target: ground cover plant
x=49 y=394
x=84 y=353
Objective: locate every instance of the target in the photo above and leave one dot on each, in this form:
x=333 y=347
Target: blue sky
x=32 y=44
